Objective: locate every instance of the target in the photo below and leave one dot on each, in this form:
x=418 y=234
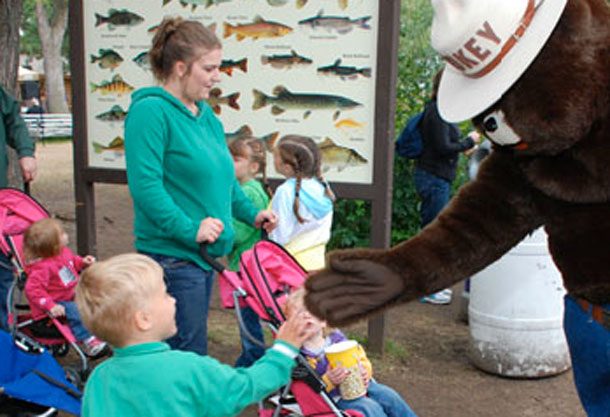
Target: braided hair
x=304 y=157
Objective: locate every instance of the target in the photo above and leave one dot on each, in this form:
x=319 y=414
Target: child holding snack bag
x=362 y=392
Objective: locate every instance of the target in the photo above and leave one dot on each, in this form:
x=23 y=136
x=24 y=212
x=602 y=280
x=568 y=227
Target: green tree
x=417 y=64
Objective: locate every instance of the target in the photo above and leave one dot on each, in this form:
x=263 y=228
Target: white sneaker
x=441 y=297
x=93 y=346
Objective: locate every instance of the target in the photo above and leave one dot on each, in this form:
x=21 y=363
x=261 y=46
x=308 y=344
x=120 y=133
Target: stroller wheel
x=60 y=350
x=75 y=375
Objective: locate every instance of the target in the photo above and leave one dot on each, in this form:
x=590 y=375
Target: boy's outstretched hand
x=297 y=329
x=354 y=285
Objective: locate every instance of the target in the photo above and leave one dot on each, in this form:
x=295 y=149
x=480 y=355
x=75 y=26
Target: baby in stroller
x=379 y=401
x=52 y=270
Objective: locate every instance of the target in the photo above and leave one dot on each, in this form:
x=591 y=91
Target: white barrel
x=516 y=313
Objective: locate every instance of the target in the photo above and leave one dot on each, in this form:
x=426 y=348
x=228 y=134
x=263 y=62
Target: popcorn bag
x=346 y=354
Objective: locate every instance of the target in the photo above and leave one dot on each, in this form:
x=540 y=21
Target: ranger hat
x=487 y=45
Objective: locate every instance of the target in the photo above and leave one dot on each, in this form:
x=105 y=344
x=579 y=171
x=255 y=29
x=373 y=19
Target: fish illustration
x=227 y=66
x=107 y=58
x=345 y=72
x=115 y=114
x=117 y=145
x=243 y=132
x=348 y=124
x=195 y=3
x=285 y=61
x=340 y=24
x=301 y=3
x=142 y=60
x=215 y=100
x=259 y=28
x=246 y=132
x=116 y=18
x=277 y=2
x=339 y=157
x=283 y=100
x=115 y=85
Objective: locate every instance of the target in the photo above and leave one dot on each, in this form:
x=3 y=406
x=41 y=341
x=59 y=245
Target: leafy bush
x=417 y=64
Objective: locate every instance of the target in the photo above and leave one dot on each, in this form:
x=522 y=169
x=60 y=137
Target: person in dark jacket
x=436 y=167
x=13 y=133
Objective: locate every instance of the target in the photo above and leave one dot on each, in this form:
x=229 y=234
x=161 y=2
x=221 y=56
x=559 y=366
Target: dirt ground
x=427 y=356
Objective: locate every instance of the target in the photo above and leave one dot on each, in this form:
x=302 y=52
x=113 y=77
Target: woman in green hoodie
x=180 y=173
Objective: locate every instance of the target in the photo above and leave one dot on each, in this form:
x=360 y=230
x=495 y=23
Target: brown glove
x=355 y=284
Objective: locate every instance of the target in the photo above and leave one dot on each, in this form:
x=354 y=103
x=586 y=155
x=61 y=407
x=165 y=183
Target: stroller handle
x=203 y=251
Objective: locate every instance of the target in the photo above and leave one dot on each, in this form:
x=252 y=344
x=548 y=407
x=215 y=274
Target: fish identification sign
x=321 y=68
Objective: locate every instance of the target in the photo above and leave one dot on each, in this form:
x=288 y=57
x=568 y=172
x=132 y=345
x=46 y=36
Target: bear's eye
x=490 y=124
x=498 y=131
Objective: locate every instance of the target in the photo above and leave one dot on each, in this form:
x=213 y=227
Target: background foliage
x=417 y=64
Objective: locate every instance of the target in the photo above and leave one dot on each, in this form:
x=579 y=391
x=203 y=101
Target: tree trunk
x=10 y=18
x=51 y=37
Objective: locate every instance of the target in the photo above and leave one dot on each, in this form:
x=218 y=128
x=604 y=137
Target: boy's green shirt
x=179 y=172
x=153 y=381
x=245 y=235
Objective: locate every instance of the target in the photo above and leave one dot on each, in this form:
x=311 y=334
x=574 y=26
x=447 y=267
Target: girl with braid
x=304 y=202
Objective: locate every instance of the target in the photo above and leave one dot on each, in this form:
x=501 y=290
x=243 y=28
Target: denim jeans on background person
x=589 y=344
x=250 y=351
x=380 y=401
x=6 y=279
x=191 y=286
x=74 y=321
x=434 y=193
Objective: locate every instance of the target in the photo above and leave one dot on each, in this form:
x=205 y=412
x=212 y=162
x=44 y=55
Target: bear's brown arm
x=483 y=221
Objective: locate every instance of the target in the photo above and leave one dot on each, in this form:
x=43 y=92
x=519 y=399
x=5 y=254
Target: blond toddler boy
x=123 y=300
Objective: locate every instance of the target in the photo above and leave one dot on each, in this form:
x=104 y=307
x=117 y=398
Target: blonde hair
x=304 y=157
x=179 y=40
x=110 y=292
x=43 y=239
x=240 y=147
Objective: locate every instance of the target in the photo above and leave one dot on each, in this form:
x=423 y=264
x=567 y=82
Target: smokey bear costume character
x=534 y=75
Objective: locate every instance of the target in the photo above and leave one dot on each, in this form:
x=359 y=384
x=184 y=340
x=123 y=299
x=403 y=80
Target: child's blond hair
x=296 y=302
x=42 y=239
x=110 y=292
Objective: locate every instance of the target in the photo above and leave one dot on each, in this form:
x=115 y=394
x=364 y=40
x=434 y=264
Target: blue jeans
x=191 y=286
x=74 y=321
x=6 y=279
x=380 y=401
x=434 y=193
x=250 y=351
x=589 y=344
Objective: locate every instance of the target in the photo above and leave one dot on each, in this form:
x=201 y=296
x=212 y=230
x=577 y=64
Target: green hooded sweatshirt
x=13 y=132
x=179 y=172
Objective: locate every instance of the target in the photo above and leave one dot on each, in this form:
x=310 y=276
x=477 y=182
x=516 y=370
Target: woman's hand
x=267 y=219
x=337 y=375
x=209 y=230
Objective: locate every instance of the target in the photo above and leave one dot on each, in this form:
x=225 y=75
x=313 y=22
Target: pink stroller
x=267 y=274
x=17 y=212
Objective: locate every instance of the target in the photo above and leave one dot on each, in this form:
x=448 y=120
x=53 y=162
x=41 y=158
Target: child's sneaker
x=93 y=346
x=441 y=297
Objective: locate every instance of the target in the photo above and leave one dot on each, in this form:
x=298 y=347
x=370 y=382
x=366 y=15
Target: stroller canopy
x=17 y=212
x=28 y=377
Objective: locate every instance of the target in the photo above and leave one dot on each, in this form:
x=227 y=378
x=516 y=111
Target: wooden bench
x=48 y=125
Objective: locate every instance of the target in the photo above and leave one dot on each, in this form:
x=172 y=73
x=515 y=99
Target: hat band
x=464 y=64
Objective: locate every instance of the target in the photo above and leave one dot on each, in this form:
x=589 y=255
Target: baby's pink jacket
x=51 y=280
